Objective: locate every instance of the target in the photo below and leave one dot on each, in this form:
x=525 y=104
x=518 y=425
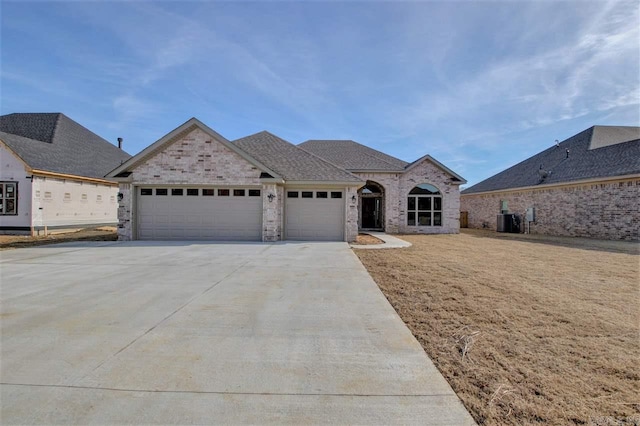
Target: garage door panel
x=176 y=217
x=319 y=219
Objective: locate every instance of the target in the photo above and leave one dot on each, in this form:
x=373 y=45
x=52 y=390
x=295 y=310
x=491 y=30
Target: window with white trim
x=8 y=198
x=424 y=206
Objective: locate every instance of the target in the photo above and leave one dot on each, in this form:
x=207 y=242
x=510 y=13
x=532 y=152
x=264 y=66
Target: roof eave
x=46 y=173
x=324 y=183
x=272 y=180
x=555 y=184
x=375 y=171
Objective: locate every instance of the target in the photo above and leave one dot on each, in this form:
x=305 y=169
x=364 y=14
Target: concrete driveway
x=167 y=333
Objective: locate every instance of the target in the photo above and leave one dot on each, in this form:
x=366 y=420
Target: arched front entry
x=371 y=206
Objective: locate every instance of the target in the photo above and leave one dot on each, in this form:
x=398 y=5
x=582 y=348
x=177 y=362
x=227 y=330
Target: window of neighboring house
x=8 y=198
x=83 y=197
x=99 y=198
x=67 y=196
x=424 y=206
x=504 y=206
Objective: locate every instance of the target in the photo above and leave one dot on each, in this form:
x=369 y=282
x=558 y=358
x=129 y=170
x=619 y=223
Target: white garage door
x=314 y=215
x=199 y=214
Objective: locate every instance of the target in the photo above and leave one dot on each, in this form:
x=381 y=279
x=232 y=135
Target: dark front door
x=372 y=213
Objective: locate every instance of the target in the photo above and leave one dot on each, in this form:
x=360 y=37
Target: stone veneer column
x=272 y=212
x=351 y=214
x=125 y=213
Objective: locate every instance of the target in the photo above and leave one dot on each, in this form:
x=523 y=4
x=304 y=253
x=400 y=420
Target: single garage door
x=314 y=215
x=199 y=214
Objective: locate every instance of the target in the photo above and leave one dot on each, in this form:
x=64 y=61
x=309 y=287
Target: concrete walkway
x=389 y=242
x=197 y=333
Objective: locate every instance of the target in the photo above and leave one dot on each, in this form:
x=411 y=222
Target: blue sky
x=478 y=85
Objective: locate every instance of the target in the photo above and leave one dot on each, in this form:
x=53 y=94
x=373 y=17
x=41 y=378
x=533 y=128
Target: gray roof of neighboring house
x=289 y=161
x=618 y=155
x=55 y=143
x=351 y=155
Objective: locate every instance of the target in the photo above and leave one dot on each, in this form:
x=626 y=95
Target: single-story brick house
x=585 y=186
x=52 y=174
x=195 y=184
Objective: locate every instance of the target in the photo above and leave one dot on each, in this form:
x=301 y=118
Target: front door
x=371 y=213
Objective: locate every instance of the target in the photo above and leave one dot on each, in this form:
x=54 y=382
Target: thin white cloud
x=596 y=71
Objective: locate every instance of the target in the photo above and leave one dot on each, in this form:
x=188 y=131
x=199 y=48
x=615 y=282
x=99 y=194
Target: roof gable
x=611 y=135
x=55 y=143
x=291 y=162
x=169 y=138
x=571 y=160
x=351 y=155
x=457 y=178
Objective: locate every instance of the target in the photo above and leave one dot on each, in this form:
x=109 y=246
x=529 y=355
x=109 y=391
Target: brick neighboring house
x=52 y=174
x=585 y=186
x=195 y=184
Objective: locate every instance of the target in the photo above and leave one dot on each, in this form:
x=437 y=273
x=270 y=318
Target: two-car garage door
x=193 y=213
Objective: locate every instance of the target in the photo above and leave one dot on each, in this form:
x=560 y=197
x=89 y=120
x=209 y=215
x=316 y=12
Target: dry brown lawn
x=526 y=329
x=366 y=240
x=106 y=233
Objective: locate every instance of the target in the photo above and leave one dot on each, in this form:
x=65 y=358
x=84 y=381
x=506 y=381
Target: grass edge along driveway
x=526 y=329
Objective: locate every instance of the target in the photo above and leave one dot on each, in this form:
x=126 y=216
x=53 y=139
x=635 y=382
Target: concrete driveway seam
x=373 y=395
x=171 y=314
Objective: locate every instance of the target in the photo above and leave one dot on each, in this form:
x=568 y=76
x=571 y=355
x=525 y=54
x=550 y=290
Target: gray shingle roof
x=289 y=161
x=619 y=159
x=55 y=143
x=351 y=155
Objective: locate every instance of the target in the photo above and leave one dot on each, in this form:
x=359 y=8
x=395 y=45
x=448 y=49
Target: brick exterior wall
x=396 y=188
x=604 y=210
x=196 y=158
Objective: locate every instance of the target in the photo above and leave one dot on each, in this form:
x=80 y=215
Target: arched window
x=424 y=206
x=371 y=189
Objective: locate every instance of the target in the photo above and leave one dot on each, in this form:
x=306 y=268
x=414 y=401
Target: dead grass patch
x=106 y=233
x=366 y=239
x=525 y=332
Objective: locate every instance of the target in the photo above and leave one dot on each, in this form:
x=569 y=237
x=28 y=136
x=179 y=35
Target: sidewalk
x=389 y=242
